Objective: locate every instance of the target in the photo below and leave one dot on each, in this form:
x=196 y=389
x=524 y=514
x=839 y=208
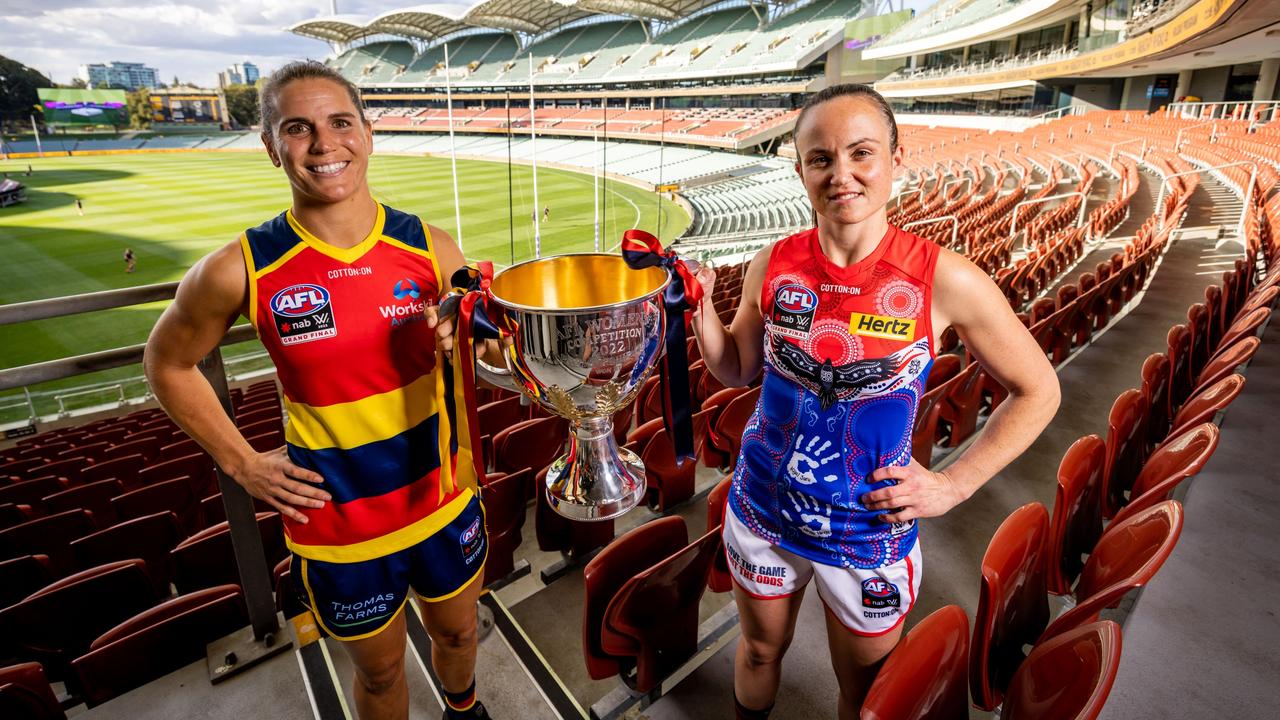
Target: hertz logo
x=882 y=327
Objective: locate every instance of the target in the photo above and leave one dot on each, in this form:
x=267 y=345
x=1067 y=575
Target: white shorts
x=867 y=602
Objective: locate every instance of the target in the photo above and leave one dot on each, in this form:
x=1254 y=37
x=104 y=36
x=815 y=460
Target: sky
x=190 y=40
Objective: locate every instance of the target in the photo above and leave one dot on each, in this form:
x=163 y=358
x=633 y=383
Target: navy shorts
x=356 y=600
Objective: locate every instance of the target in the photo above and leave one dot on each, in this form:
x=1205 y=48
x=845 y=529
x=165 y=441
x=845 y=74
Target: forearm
x=189 y=399
x=1010 y=430
x=718 y=347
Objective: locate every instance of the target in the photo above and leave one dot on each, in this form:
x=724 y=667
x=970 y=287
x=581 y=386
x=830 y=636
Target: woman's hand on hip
x=916 y=493
x=273 y=479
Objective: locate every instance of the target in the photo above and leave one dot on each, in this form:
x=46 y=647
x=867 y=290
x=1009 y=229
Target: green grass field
x=172 y=209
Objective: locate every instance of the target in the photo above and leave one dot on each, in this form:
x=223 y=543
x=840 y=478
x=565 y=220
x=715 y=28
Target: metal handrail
x=1079 y=215
x=1111 y=156
x=1248 y=192
x=1177 y=141
x=86 y=302
x=955 y=225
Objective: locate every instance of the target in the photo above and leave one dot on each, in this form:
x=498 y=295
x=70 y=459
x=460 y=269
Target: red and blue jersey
x=367 y=408
x=846 y=355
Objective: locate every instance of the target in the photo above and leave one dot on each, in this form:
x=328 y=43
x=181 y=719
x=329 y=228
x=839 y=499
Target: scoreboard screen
x=69 y=106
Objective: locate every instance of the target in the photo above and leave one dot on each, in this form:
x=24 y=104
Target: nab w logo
x=405 y=288
x=880 y=593
x=796 y=298
x=300 y=300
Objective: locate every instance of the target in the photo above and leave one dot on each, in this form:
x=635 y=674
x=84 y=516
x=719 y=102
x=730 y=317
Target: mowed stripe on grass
x=172 y=209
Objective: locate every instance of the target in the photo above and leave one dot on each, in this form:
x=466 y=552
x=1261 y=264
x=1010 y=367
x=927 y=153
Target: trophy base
x=595 y=479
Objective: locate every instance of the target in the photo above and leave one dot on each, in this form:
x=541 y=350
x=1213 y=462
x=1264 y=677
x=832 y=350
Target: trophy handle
x=497 y=377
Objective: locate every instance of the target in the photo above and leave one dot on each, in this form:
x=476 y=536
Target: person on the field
x=844 y=320
x=546 y=213
x=79 y=207
x=379 y=505
x=130 y=263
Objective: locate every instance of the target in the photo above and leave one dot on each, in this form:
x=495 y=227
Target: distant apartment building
x=245 y=73
x=127 y=75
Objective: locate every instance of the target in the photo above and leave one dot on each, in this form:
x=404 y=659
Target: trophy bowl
x=587 y=332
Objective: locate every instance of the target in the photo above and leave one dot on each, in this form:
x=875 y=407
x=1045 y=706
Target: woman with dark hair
x=844 y=320
x=376 y=481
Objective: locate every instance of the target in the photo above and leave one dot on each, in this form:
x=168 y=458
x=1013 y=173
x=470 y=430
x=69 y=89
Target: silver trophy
x=588 y=331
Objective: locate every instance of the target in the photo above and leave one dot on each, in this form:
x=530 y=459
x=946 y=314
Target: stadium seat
x=32 y=492
x=726 y=432
x=1180 y=375
x=1207 y=403
x=50 y=536
x=530 y=444
x=25 y=694
x=198 y=466
x=1198 y=325
x=1126 y=448
x=1068 y=677
x=1213 y=304
x=714 y=450
x=158 y=641
x=961 y=405
x=653 y=617
x=1179 y=458
x=58 y=622
x=557 y=533
x=925 y=433
x=943 y=369
x=926 y=677
x=719 y=579
x=21 y=576
x=177 y=496
x=606 y=573
x=148 y=447
x=148 y=538
x=1125 y=558
x=1225 y=362
x=504 y=514
x=207 y=559
x=1244 y=326
x=94 y=497
x=1155 y=389
x=1076 y=524
x=669 y=479
x=499 y=415
x=1013 y=606
x=15 y=514
x=123 y=468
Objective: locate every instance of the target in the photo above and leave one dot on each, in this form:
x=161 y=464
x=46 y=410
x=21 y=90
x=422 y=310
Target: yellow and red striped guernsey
x=356 y=362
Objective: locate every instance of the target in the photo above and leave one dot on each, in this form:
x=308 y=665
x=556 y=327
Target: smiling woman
x=375 y=481
x=844 y=320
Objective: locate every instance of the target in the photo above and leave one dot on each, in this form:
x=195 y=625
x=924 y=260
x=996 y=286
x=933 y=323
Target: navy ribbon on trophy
x=642 y=250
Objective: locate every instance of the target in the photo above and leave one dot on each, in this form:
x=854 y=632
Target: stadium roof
x=532 y=17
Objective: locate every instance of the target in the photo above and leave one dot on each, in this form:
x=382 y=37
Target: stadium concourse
x=1120 y=568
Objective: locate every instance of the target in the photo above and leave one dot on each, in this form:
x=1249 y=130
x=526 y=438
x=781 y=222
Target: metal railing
x=1247 y=193
x=1257 y=112
x=255 y=576
x=1013 y=229
x=955 y=226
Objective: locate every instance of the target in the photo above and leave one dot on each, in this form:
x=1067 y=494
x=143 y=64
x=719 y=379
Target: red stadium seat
x=926 y=677
x=1179 y=458
x=148 y=538
x=604 y=576
x=32 y=492
x=158 y=641
x=25 y=694
x=1180 y=375
x=1126 y=448
x=123 y=468
x=21 y=576
x=1244 y=326
x=1207 y=403
x=726 y=432
x=198 y=466
x=719 y=579
x=206 y=559
x=504 y=513
x=15 y=514
x=943 y=369
x=177 y=496
x=497 y=416
x=1013 y=607
x=94 y=497
x=530 y=444
x=557 y=533
x=1126 y=558
x=1155 y=388
x=653 y=617
x=50 y=536
x=669 y=479
x=1077 y=512
x=1198 y=325
x=961 y=405
x=1225 y=362
x=147 y=447
x=715 y=451
x=1068 y=677
x=57 y=623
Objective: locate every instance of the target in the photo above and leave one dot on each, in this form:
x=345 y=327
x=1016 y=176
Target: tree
x=78 y=83
x=139 y=104
x=242 y=103
x=18 y=84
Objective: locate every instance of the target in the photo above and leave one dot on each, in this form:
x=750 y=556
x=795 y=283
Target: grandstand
x=1114 y=167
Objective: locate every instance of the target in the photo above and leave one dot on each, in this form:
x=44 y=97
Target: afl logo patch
x=880 y=593
x=471 y=532
x=302 y=313
x=472 y=541
x=793 y=309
